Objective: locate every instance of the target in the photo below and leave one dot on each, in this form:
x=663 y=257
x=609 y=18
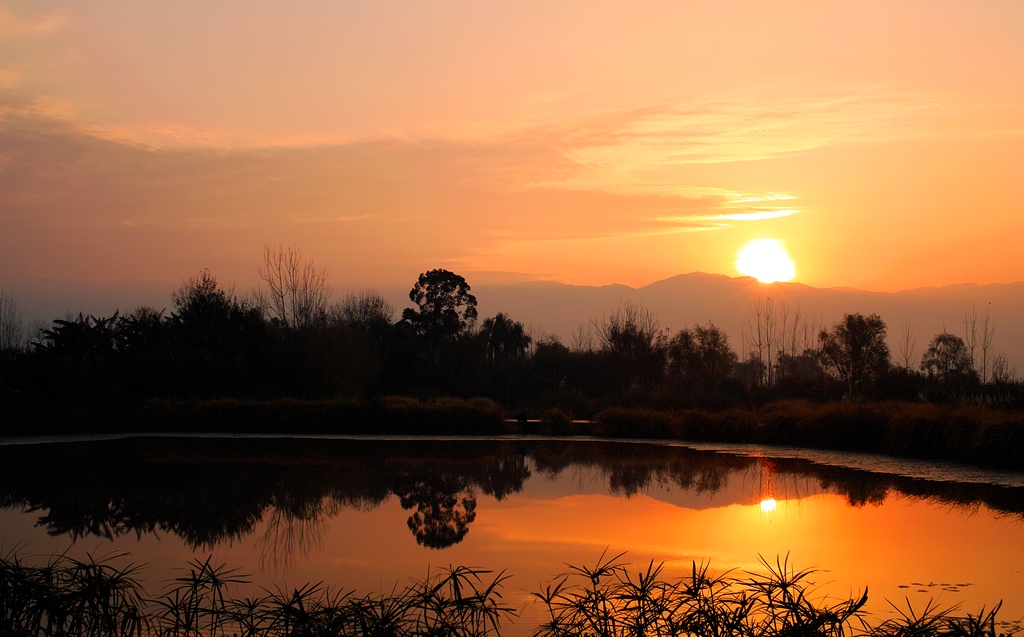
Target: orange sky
x=587 y=142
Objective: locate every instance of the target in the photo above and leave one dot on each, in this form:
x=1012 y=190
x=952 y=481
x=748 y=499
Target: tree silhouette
x=506 y=339
x=701 y=356
x=445 y=306
x=947 y=359
x=145 y=350
x=217 y=338
x=855 y=350
x=505 y=345
x=633 y=346
x=366 y=310
x=298 y=291
x=77 y=359
x=11 y=325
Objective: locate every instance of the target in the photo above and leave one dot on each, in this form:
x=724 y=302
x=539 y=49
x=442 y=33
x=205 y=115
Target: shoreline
x=971 y=436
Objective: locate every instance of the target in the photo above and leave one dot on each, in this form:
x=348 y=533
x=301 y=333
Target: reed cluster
x=607 y=600
x=70 y=598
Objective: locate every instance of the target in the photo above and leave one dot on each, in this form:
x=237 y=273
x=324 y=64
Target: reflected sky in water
x=367 y=514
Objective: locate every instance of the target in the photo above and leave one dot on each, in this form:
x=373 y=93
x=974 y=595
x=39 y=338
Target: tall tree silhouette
x=506 y=343
x=445 y=305
x=77 y=359
x=632 y=346
x=506 y=339
x=298 y=291
x=701 y=356
x=855 y=350
x=11 y=325
x=218 y=338
x=949 y=367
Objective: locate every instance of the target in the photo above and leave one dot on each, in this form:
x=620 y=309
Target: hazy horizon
x=557 y=309
x=56 y=299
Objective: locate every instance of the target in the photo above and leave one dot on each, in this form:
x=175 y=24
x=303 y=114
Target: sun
x=765 y=260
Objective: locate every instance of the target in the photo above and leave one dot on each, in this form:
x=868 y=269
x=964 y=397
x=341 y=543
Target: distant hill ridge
x=696 y=298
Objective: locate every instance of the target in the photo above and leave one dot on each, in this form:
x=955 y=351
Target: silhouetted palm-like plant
x=71 y=598
x=611 y=601
x=92 y=597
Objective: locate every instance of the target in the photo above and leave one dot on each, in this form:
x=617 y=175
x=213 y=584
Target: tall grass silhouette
x=65 y=597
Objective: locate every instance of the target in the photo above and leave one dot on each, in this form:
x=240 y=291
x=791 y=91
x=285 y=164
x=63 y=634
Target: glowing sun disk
x=765 y=260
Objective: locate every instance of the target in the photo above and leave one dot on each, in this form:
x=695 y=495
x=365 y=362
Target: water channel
x=368 y=514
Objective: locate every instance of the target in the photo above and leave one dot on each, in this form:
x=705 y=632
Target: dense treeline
x=288 y=340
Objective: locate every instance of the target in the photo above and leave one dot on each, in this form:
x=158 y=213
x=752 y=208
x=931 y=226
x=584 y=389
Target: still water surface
x=369 y=514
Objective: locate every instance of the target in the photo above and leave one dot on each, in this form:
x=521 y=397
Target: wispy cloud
x=489 y=191
x=13 y=24
x=734 y=216
x=19 y=113
x=163 y=135
x=650 y=149
x=583 y=188
x=755 y=125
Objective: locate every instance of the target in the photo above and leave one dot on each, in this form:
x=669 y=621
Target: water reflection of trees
x=212 y=491
x=631 y=469
x=442 y=508
x=209 y=492
x=291 y=532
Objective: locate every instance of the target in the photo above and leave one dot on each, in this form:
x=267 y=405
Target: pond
x=369 y=514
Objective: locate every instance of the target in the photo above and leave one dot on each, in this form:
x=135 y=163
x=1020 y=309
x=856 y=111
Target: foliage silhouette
x=700 y=356
x=948 y=364
x=104 y=373
x=855 y=350
x=444 y=306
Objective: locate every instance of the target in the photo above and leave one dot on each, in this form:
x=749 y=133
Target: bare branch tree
x=12 y=328
x=971 y=333
x=298 y=293
x=536 y=334
x=794 y=334
x=783 y=335
x=629 y=327
x=905 y=347
x=363 y=309
x=761 y=338
x=988 y=335
x=1001 y=370
x=584 y=337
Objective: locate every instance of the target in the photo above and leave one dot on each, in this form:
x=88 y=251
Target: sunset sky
x=590 y=142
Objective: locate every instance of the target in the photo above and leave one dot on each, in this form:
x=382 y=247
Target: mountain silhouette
x=696 y=298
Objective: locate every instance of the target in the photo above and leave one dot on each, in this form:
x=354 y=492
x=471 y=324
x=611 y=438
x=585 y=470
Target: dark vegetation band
x=287 y=359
